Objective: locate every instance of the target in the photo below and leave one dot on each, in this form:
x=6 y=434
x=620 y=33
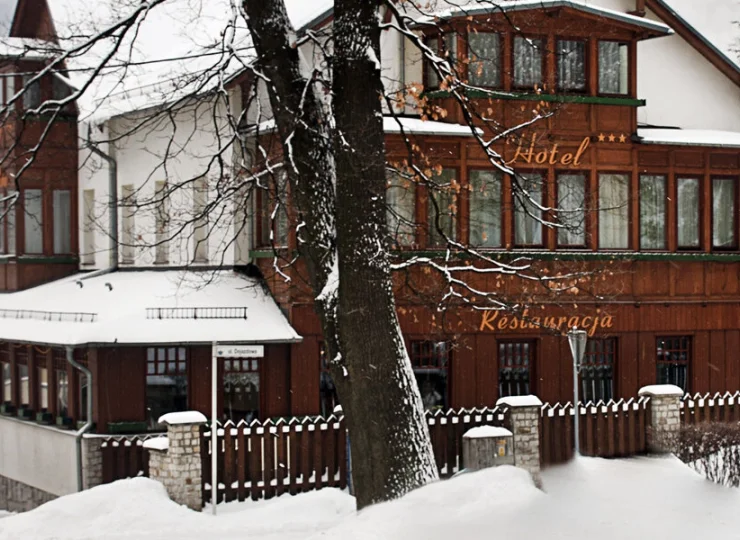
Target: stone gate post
x=525 y=424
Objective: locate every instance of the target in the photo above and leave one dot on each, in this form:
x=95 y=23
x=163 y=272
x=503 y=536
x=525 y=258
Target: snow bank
x=655 y=498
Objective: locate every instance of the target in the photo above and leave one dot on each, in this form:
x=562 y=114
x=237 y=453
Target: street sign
x=238 y=351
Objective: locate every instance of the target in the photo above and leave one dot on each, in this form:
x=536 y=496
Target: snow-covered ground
x=655 y=498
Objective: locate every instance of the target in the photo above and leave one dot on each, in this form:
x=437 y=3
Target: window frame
x=544 y=175
x=531 y=367
x=689 y=360
x=266 y=201
x=57 y=220
x=500 y=60
x=630 y=204
x=586 y=198
x=440 y=34
x=666 y=204
x=429 y=368
x=413 y=192
x=543 y=69
x=226 y=368
x=502 y=214
x=629 y=68
x=428 y=192
x=699 y=210
x=614 y=364
x=736 y=225
x=586 y=65
x=165 y=361
x=26 y=217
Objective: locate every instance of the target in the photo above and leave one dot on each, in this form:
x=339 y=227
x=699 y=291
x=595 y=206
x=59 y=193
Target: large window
x=166 y=382
x=613 y=211
x=687 y=211
x=613 y=67
x=571 y=60
x=62 y=392
x=442 y=210
x=401 y=209
x=33 y=221
x=528 y=62
x=724 y=208
x=485 y=208
x=161 y=222
x=32 y=95
x=484 y=52
x=515 y=359
x=444 y=46
x=200 y=215
x=328 y=398
x=652 y=211
x=7 y=381
x=597 y=369
x=241 y=389
x=527 y=212
x=673 y=355
x=62 y=206
x=43 y=388
x=571 y=209
x=88 y=226
x=431 y=360
x=24 y=384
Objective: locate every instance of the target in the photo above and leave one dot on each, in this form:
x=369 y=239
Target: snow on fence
x=263 y=459
x=613 y=429
x=125 y=456
x=701 y=408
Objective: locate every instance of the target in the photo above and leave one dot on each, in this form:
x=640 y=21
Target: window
x=613 y=67
x=83 y=388
x=431 y=360
x=673 y=359
x=527 y=212
x=241 y=389
x=33 y=221
x=32 y=92
x=652 y=211
x=571 y=59
x=23 y=384
x=442 y=210
x=10 y=220
x=724 y=195
x=687 y=211
x=62 y=393
x=62 y=221
x=448 y=51
x=274 y=213
x=485 y=208
x=59 y=90
x=161 y=222
x=571 y=209
x=613 y=211
x=43 y=379
x=527 y=62
x=400 y=196
x=9 y=80
x=597 y=370
x=328 y=398
x=7 y=388
x=88 y=227
x=128 y=223
x=514 y=361
x=166 y=382
x=484 y=53
x=200 y=215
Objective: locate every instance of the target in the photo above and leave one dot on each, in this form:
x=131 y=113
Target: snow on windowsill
x=185 y=417
x=520 y=401
x=485 y=432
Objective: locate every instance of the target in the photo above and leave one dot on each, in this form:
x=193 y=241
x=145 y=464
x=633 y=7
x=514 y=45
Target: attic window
x=31 y=93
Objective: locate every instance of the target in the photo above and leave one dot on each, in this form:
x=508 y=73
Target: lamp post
x=577 y=341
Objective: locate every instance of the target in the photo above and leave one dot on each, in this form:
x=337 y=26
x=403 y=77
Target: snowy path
x=656 y=498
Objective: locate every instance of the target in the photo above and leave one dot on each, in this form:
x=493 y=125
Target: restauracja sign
x=549 y=155
x=494 y=320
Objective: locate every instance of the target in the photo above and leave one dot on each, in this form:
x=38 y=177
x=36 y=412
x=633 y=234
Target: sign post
x=577 y=341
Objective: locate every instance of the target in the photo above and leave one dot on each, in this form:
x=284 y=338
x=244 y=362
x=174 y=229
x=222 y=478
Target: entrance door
x=241 y=389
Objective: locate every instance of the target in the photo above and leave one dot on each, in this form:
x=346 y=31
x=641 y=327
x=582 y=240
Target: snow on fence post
x=487 y=446
x=525 y=424
x=175 y=460
x=665 y=416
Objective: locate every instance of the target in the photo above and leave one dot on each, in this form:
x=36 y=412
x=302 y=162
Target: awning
x=146 y=307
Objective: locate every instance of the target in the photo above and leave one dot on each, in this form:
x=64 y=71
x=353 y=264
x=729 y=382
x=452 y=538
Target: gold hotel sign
x=549 y=155
x=496 y=321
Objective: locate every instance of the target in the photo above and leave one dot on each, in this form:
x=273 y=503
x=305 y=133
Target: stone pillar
x=92 y=462
x=525 y=423
x=665 y=416
x=175 y=461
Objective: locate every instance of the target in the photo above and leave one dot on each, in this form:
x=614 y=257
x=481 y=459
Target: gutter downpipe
x=113 y=207
x=88 y=424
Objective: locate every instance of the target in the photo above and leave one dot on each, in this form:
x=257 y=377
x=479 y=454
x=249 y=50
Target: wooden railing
x=125 y=457
x=701 y=408
x=613 y=429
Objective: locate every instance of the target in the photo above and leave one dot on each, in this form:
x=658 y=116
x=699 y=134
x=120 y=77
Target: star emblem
x=622 y=137
x=601 y=137
x=611 y=137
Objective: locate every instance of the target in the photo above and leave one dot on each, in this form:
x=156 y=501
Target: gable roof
x=712 y=27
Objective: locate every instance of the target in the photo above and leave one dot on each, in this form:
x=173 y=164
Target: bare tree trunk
x=388 y=432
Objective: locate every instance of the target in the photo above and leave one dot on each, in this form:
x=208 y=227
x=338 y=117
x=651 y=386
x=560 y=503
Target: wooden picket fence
x=702 y=408
x=613 y=429
x=125 y=456
x=260 y=460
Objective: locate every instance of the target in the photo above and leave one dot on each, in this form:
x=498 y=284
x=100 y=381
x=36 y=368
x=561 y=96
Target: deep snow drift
x=656 y=498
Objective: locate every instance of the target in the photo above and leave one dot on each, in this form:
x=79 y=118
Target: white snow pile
x=656 y=498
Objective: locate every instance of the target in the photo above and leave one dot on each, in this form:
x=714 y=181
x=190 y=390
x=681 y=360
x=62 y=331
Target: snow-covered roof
x=411 y=126
x=484 y=432
x=689 y=137
x=716 y=21
x=27 y=48
x=145 y=307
